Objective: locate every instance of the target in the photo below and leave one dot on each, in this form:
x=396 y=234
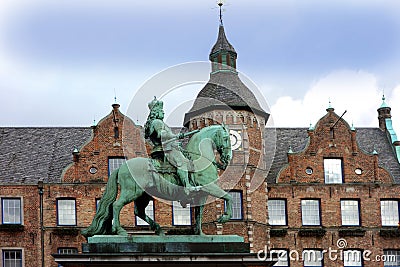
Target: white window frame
x=149 y=212
x=114 y=163
x=333 y=170
x=392 y=257
x=352 y=258
x=3 y=221
x=237 y=205
x=277 y=215
x=350 y=212
x=180 y=215
x=61 y=221
x=312 y=258
x=283 y=257
x=3 y=259
x=66 y=250
x=390 y=212
x=307 y=212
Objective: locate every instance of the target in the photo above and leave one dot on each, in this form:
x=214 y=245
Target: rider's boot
x=184 y=176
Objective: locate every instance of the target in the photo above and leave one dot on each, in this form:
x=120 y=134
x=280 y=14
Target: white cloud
x=354 y=91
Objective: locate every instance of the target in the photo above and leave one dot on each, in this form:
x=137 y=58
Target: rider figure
x=164 y=140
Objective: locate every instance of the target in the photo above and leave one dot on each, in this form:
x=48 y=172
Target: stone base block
x=166 y=244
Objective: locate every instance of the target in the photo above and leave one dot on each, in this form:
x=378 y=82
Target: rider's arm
x=163 y=133
x=167 y=135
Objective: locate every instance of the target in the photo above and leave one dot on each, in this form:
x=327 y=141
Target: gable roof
x=30 y=154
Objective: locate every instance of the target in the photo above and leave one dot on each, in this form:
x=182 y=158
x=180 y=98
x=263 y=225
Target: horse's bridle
x=221 y=148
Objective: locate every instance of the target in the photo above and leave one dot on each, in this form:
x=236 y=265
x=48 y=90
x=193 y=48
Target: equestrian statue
x=171 y=173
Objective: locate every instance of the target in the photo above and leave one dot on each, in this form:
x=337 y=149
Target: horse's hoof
x=120 y=231
x=224 y=218
x=160 y=232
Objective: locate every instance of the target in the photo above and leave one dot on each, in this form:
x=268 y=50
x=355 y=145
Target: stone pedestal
x=221 y=251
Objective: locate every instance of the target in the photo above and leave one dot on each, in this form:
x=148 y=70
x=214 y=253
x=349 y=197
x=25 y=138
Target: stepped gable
x=368 y=139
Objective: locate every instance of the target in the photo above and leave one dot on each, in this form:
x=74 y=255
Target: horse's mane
x=211 y=127
x=205 y=132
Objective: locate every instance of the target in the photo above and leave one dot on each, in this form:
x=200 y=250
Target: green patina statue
x=165 y=144
x=168 y=175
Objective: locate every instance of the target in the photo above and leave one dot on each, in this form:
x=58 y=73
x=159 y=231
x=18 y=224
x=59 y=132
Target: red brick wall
x=29 y=238
x=330 y=196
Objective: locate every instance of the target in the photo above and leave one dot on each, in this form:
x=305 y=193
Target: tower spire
x=223 y=56
x=220 y=4
x=384 y=105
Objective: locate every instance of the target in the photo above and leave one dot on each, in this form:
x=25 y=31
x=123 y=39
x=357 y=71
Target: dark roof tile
x=224 y=90
x=30 y=154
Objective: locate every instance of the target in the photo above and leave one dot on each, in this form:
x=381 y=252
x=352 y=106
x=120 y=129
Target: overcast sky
x=60 y=61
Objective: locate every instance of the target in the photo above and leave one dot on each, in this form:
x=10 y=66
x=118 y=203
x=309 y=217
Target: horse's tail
x=102 y=221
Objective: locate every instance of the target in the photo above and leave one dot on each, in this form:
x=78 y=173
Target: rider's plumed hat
x=155 y=104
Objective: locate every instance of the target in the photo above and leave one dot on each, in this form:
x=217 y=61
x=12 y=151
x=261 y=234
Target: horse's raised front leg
x=140 y=211
x=216 y=191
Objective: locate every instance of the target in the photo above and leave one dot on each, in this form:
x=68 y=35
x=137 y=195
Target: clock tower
x=226 y=99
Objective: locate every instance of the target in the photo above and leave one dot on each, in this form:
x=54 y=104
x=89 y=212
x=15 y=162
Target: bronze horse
x=137 y=182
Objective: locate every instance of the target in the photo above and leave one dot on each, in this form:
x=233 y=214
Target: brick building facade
x=322 y=184
x=339 y=185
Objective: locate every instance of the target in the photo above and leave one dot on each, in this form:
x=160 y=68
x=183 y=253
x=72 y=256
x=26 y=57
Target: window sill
x=312 y=231
x=181 y=230
x=351 y=231
x=62 y=231
x=391 y=232
x=280 y=232
x=12 y=227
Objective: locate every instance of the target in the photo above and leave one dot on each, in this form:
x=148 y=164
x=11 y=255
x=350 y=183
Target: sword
x=184 y=135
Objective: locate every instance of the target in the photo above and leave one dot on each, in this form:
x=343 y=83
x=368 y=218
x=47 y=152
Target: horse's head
x=223 y=144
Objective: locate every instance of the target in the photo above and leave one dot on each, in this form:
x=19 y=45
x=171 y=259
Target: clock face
x=236 y=139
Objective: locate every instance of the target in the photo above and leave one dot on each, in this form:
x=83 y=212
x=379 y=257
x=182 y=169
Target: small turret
x=383 y=114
